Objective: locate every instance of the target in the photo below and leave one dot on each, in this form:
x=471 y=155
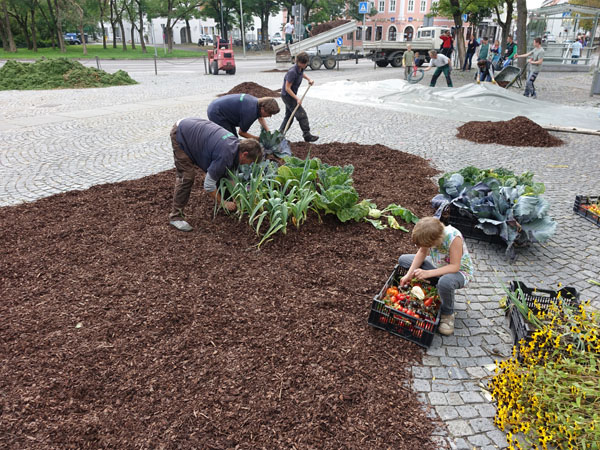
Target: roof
x=561 y=8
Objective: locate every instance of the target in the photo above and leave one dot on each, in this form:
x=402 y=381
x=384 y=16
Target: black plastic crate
x=586 y=200
x=384 y=317
x=537 y=300
x=465 y=222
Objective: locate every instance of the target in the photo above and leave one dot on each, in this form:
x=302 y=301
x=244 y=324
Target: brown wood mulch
x=119 y=331
x=252 y=88
x=326 y=26
x=519 y=131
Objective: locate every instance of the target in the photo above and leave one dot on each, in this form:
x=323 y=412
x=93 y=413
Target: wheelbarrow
x=509 y=76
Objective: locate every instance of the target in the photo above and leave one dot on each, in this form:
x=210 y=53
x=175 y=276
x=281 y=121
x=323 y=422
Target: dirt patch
x=503 y=83
x=119 y=331
x=326 y=26
x=519 y=131
x=252 y=88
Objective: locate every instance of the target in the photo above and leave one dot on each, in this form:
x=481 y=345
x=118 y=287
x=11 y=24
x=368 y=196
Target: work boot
x=181 y=225
x=310 y=138
x=446 y=324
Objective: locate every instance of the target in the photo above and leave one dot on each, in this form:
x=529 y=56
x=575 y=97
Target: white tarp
x=467 y=103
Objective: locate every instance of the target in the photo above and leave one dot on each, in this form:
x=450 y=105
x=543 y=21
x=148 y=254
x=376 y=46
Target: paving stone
x=421 y=372
x=460 y=444
x=486 y=410
x=477 y=372
x=457 y=352
x=471 y=397
x=454 y=399
x=448 y=386
x=467 y=411
x=498 y=438
x=479 y=440
x=437 y=398
x=421 y=385
x=447 y=412
x=459 y=428
x=481 y=425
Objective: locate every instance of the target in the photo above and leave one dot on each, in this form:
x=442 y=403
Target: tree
x=454 y=9
x=141 y=8
x=263 y=9
x=8 y=40
x=504 y=25
x=174 y=11
x=102 y=5
x=521 y=30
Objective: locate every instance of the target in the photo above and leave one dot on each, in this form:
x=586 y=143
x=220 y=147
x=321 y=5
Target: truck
x=386 y=52
x=316 y=50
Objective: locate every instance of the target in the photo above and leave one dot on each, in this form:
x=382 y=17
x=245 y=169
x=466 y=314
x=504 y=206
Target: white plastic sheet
x=467 y=103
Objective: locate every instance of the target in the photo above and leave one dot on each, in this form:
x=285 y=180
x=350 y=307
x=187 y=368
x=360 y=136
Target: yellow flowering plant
x=550 y=395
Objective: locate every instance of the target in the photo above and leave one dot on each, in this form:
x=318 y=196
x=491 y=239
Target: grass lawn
x=93 y=50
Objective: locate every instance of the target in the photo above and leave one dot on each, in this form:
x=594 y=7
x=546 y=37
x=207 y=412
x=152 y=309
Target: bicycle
x=415 y=75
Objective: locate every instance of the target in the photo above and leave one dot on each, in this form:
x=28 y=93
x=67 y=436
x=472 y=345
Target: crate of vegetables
x=537 y=300
x=411 y=312
x=588 y=206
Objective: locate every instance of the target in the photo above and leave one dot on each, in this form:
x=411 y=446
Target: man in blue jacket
x=242 y=110
x=201 y=143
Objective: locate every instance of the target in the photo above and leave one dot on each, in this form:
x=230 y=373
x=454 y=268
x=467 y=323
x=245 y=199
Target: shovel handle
x=289 y=122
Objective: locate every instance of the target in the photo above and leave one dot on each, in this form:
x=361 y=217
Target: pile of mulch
x=326 y=26
x=119 y=331
x=519 y=131
x=502 y=83
x=252 y=88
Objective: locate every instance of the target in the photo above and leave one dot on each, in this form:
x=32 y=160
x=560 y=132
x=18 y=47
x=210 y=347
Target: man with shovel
x=201 y=143
x=293 y=104
x=241 y=111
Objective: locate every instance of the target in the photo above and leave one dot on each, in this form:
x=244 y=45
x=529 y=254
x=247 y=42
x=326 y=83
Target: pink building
x=396 y=20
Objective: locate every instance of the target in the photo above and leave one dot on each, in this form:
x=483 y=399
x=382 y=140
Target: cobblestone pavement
x=55 y=141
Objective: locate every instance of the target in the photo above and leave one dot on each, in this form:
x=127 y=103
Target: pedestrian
x=484 y=49
x=242 y=110
x=472 y=45
x=288 y=30
x=442 y=65
x=447 y=44
x=510 y=52
x=576 y=51
x=408 y=61
x=201 y=143
x=535 y=65
x=289 y=95
x=308 y=30
x=442 y=254
x=485 y=71
x=495 y=53
x=417 y=59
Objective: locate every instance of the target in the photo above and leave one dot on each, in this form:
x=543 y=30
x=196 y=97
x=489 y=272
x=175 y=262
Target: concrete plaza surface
x=61 y=140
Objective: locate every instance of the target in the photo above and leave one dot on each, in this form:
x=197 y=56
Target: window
x=378 y=33
x=349 y=36
x=411 y=5
x=368 y=33
x=423 y=5
x=358 y=33
x=392 y=5
x=392 y=33
x=381 y=6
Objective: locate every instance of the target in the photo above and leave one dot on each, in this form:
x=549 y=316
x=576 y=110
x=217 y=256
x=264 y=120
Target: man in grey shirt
x=535 y=65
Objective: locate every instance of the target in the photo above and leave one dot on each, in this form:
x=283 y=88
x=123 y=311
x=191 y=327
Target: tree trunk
x=103 y=34
x=82 y=34
x=59 y=31
x=459 y=39
x=132 y=36
x=113 y=23
x=522 y=31
x=169 y=35
x=33 y=31
x=141 y=28
x=102 y=7
x=188 y=31
x=264 y=29
x=3 y=36
x=12 y=48
x=123 y=40
x=24 y=29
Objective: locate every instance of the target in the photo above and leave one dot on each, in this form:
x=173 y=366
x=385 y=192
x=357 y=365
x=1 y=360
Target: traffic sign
x=465 y=17
x=339 y=41
x=363 y=7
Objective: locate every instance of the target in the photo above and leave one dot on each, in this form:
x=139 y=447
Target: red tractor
x=221 y=58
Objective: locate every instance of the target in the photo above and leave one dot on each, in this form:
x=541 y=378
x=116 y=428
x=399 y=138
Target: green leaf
x=376 y=223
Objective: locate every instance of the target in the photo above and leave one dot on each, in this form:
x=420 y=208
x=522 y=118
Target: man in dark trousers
x=242 y=110
x=289 y=95
x=202 y=143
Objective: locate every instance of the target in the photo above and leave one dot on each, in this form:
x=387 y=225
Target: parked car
x=72 y=39
x=549 y=37
x=276 y=40
x=205 y=39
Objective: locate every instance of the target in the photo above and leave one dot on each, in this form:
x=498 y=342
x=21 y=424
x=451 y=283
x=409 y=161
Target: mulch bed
x=519 y=131
x=252 y=88
x=119 y=331
x=326 y=26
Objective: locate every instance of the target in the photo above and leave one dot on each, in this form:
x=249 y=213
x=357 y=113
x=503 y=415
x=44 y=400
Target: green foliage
x=93 y=51
x=272 y=196
x=57 y=73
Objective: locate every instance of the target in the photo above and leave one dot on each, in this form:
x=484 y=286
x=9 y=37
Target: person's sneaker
x=310 y=138
x=534 y=96
x=181 y=225
x=446 y=324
